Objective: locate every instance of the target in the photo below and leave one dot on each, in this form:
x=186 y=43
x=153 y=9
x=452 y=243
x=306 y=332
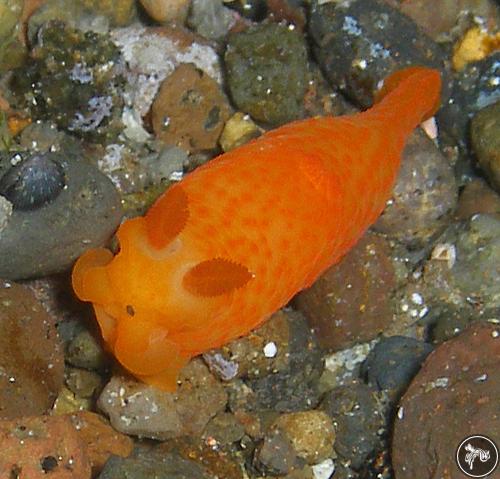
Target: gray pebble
x=393 y=362
x=48 y=238
x=150 y=464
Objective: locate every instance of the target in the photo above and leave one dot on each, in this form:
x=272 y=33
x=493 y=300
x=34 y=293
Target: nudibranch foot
x=91 y=259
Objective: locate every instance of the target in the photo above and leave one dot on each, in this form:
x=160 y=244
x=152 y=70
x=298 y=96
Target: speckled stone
x=477 y=198
x=85 y=351
x=263 y=351
x=359 y=43
x=189 y=110
x=294 y=388
x=267 y=72
x=276 y=455
x=424 y=196
x=359 y=418
x=216 y=461
x=137 y=409
x=147 y=464
x=311 y=433
x=224 y=428
x=42 y=446
x=474 y=88
x=211 y=18
x=454 y=395
x=100 y=439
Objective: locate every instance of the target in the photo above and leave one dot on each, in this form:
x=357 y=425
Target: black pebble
x=32 y=182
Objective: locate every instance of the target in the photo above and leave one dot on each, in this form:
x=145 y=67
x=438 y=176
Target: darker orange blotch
x=216 y=276
x=167 y=217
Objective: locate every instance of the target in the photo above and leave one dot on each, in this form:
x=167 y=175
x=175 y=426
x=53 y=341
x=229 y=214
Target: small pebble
x=258 y=82
x=485 y=136
x=276 y=455
x=238 y=130
x=424 y=196
x=311 y=433
x=393 y=363
x=190 y=110
x=85 y=351
x=164 y=11
x=477 y=198
x=137 y=409
x=359 y=417
x=211 y=18
x=147 y=464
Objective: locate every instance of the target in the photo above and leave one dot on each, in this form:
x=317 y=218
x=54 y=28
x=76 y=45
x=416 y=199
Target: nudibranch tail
x=410 y=96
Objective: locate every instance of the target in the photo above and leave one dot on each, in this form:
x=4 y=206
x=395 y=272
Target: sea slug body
x=236 y=239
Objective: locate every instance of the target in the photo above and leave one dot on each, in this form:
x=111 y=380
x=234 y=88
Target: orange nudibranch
x=236 y=239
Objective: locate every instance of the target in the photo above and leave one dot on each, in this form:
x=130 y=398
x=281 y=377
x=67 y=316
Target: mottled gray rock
x=142 y=410
x=358 y=43
x=49 y=237
x=148 y=464
x=85 y=351
x=424 y=196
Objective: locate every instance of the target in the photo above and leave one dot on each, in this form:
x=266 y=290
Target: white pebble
x=270 y=350
x=323 y=470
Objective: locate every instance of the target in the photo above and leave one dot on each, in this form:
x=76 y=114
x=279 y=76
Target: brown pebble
x=477 y=198
x=167 y=10
x=454 y=395
x=310 y=432
x=41 y=447
x=100 y=439
x=31 y=357
x=350 y=302
x=189 y=110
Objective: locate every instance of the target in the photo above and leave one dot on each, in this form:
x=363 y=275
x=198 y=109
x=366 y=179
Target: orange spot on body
x=167 y=217
x=215 y=277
